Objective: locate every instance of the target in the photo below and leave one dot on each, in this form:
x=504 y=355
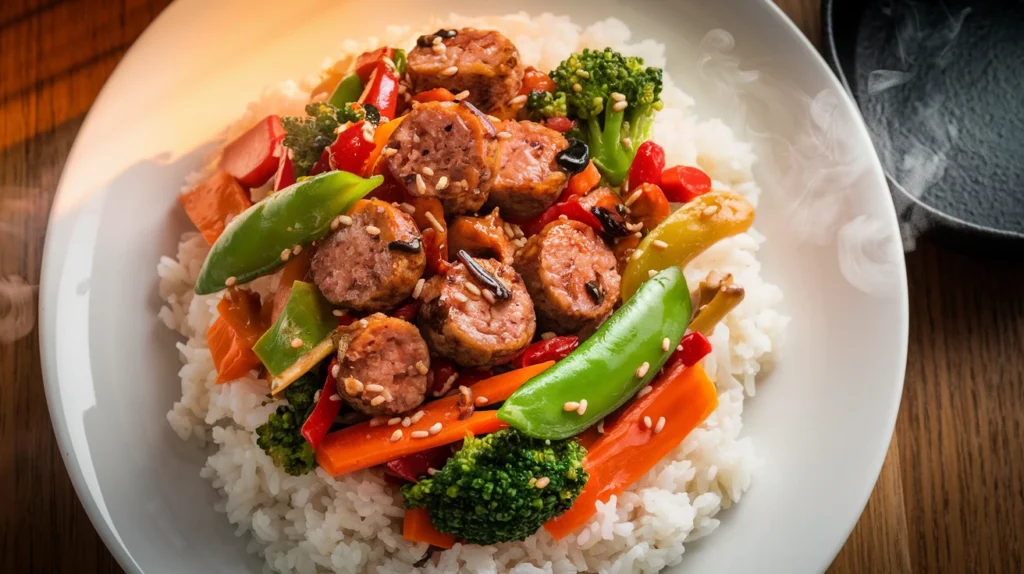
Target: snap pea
x=304 y=324
x=608 y=368
x=254 y=243
x=348 y=91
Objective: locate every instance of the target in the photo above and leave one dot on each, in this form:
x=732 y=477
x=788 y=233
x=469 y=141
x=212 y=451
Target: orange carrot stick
x=241 y=309
x=416 y=527
x=232 y=357
x=380 y=139
x=435 y=95
x=684 y=397
x=213 y=202
x=583 y=181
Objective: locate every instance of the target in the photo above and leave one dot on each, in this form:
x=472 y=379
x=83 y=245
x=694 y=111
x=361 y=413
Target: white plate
x=822 y=419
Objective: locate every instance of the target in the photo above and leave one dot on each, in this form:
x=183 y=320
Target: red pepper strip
x=682 y=184
x=351 y=150
x=322 y=165
x=629 y=448
x=435 y=95
x=443 y=371
x=571 y=209
x=413 y=466
x=559 y=124
x=252 y=157
x=367 y=61
x=554 y=349
x=647 y=165
x=285 y=175
x=694 y=347
x=382 y=90
x=407 y=312
x=320 y=420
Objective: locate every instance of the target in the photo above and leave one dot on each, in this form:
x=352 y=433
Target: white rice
x=352 y=523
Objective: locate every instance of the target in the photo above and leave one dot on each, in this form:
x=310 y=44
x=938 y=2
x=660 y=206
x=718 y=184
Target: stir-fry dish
x=467 y=275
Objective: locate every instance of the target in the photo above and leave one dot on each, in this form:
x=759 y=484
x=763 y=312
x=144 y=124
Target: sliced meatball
x=529 y=179
x=372 y=263
x=482 y=61
x=483 y=237
x=445 y=150
x=571 y=276
x=476 y=330
x=382 y=365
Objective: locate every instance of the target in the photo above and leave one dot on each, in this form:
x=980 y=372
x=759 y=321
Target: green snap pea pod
x=348 y=91
x=297 y=340
x=623 y=355
x=254 y=242
x=400 y=61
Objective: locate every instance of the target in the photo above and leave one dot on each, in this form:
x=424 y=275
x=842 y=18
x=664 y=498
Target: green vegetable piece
x=488 y=492
x=607 y=369
x=400 y=60
x=348 y=91
x=281 y=436
x=252 y=243
x=305 y=321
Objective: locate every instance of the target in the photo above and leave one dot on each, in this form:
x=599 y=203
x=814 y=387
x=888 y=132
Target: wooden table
x=951 y=494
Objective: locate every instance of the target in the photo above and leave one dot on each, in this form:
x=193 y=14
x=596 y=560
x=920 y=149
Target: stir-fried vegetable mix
x=496 y=444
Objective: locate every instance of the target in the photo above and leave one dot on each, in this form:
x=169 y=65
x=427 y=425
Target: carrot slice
x=231 y=356
x=582 y=182
x=380 y=139
x=241 y=309
x=212 y=203
x=629 y=448
x=362 y=446
x=417 y=527
x=435 y=95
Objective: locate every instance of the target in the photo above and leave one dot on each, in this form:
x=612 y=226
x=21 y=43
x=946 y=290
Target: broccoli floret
x=543 y=105
x=488 y=491
x=280 y=437
x=612 y=136
x=308 y=136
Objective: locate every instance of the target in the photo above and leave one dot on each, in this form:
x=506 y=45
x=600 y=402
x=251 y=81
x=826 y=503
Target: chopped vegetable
x=407 y=312
x=364 y=445
x=242 y=311
x=570 y=208
x=348 y=91
x=326 y=409
x=285 y=175
x=213 y=203
x=382 y=90
x=554 y=349
x=232 y=357
x=582 y=182
x=416 y=527
x=682 y=184
x=560 y=124
x=253 y=242
x=647 y=165
x=435 y=95
x=434 y=232
x=534 y=79
x=726 y=297
x=351 y=150
x=380 y=139
x=415 y=465
x=686 y=234
x=304 y=324
x=367 y=62
x=650 y=207
x=694 y=347
x=608 y=368
x=682 y=397
x=252 y=157
x=501 y=487
x=401 y=59
x=295 y=270
x=280 y=436
x=307 y=137
x=541 y=105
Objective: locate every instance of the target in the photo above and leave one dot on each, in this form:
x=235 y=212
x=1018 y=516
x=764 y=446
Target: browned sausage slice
x=571 y=276
x=484 y=62
x=372 y=261
x=529 y=179
x=382 y=365
x=484 y=237
x=476 y=330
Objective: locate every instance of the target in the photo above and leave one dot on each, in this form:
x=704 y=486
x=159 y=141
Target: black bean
x=484 y=277
x=574 y=158
x=413 y=246
x=613 y=224
x=595 y=291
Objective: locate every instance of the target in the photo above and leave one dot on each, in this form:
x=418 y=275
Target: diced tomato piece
x=683 y=183
x=212 y=203
x=647 y=165
x=560 y=124
x=252 y=157
x=407 y=312
x=534 y=79
x=368 y=60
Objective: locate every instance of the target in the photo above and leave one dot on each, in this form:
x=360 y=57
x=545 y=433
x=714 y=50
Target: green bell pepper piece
x=252 y=243
x=348 y=91
x=306 y=318
x=606 y=369
x=400 y=60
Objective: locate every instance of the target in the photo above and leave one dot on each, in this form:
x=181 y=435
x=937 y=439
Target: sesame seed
x=421 y=368
x=638 y=235
x=666 y=344
x=439 y=48
x=287 y=253
x=659 y=425
x=493 y=119
x=508 y=231
x=334 y=398
x=659 y=244
x=394 y=421
x=651 y=273
x=396 y=436
x=600 y=427
x=481 y=401
x=418 y=290
x=416 y=417
x=563 y=217
x=421 y=186
x=297 y=249
x=296 y=343
x=389 y=151
x=679 y=347
x=503 y=135
x=345 y=220
x=406 y=422
x=647 y=422
x=436 y=40
x=582 y=408
x=335 y=370
x=619 y=106
x=548 y=335
x=377 y=421
x=709 y=211
x=465 y=184
x=633 y=197
x=434 y=222
x=432 y=471
x=472 y=289
x=583 y=73
x=442 y=183
x=626 y=142
x=618 y=97
x=230 y=281
x=387 y=395
x=407 y=207
x=451 y=380
x=542 y=482
x=570 y=406
x=518 y=100
x=577 y=88
x=419 y=434
x=374 y=388
x=635 y=226
x=377 y=401
x=353 y=386
x=435 y=428
x=402 y=88
x=461 y=95
x=427 y=171
x=489 y=296
x=637 y=254
x=372 y=230
x=644 y=391
x=460 y=297
x=640 y=372
x=450 y=71
x=364 y=323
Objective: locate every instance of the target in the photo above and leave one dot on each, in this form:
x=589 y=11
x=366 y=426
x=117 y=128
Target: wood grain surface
x=950 y=497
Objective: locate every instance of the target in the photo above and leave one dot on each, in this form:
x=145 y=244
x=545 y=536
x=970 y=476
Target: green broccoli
x=308 y=136
x=542 y=105
x=595 y=83
x=501 y=487
x=280 y=436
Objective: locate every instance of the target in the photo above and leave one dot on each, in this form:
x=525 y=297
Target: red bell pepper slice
x=322 y=165
x=367 y=61
x=554 y=349
x=382 y=90
x=253 y=156
x=351 y=150
x=285 y=175
x=571 y=209
x=683 y=183
x=694 y=347
x=411 y=467
x=647 y=165
x=407 y=312
x=320 y=420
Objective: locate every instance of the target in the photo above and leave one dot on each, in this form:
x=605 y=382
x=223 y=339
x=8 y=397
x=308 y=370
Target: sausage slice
x=483 y=237
x=445 y=150
x=382 y=365
x=468 y=328
x=373 y=263
x=530 y=179
x=570 y=274
x=484 y=62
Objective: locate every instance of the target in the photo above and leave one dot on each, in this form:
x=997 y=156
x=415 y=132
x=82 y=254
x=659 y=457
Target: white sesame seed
x=374 y=388
x=389 y=151
x=570 y=406
x=434 y=222
x=503 y=135
x=461 y=95
x=644 y=391
x=518 y=100
x=334 y=398
x=666 y=344
x=364 y=323
x=659 y=425
x=635 y=226
x=419 y=434
x=345 y=220
x=548 y=335
x=508 y=231
x=659 y=244
x=563 y=217
x=709 y=211
x=418 y=290
x=432 y=471
x=493 y=119
x=353 y=386
x=442 y=183
x=427 y=171
x=618 y=97
x=679 y=347
x=619 y=106
x=439 y=48
x=377 y=401
x=577 y=88
x=407 y=207
x=633 y=197
x=435 y=428
x=637 y=254
x=387 y=395
x=421 y=186
x=396 y=436
x=640 y=372
x=335 y=370
x=421 y=368
x=450 y=71
x=489 y=296
x=296 y=343
x=472 y=289
x=394 y=421
x=297 y=249
x=372 y=230
x=460 y=297
x=600 y=427
x=402 y=88
x=651 y=273
x=481 y=401
x=582 y=408
x=436 y=40
x=416 y=417
x=638 y=235
x=230 y=281
x=583 y=73
x=378 y=421
x=647 y=422
x=287 y=253
x=542 y=482
x=451 y=380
